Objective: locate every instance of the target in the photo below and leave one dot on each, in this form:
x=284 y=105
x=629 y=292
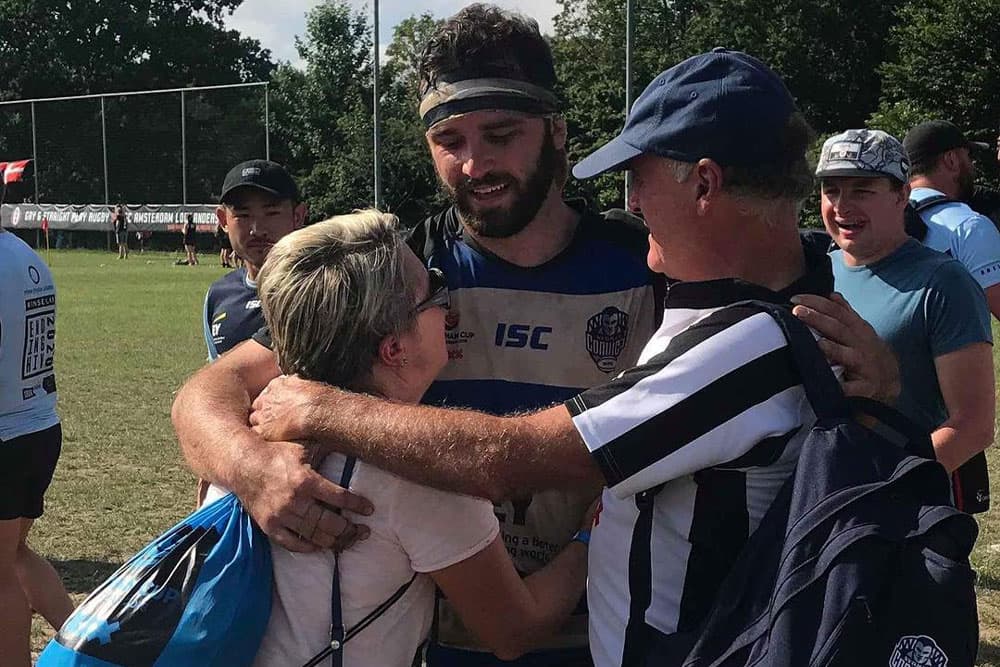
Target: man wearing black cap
x=942 y=176
x=259 y=205
x=718 y=153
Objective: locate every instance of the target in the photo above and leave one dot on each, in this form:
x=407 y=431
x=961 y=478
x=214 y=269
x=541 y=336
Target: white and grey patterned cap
x=864 y=153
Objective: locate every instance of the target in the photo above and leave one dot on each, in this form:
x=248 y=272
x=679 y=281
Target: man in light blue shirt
x=942 y=176
x=923 y=303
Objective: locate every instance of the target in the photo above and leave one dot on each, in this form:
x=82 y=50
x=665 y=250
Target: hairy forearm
x=455 y=450
x=210 y=417
x=955 y=442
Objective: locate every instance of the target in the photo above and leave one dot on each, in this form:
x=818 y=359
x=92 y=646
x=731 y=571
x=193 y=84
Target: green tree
x=58 y=48
x=945 y=64
x=409 y=184
x=589 y=51
x=828 y=52
x=322 y=114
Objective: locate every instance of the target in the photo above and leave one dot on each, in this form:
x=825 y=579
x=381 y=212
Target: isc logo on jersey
x=521 y=335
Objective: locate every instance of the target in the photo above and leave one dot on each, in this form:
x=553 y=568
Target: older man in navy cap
x=718 y=153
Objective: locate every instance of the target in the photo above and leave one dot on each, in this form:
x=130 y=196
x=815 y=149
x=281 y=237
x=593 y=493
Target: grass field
x=129 y=332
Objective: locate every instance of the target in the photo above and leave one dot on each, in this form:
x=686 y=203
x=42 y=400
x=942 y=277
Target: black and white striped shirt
x=716 y=414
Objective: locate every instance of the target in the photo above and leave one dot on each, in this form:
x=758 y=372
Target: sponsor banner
x=97 y=217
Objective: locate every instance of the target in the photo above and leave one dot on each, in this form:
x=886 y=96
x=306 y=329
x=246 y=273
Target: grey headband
x=450 y=99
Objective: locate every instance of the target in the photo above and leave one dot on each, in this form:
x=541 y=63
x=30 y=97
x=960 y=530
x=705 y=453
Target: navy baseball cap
x=723 y=105
x=262 y=175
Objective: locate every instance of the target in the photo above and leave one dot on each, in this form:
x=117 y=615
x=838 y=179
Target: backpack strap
x=821 y=385
x=923 y=204
x=823 y=389
x=914 y=222
x=338 y=635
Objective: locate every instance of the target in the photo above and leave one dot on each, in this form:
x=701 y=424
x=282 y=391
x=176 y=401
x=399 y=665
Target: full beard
x=966 y=184
x=503 y=222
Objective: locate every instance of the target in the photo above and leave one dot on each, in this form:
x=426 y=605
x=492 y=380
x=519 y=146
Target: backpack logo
x=917 y=651
x=607 y=332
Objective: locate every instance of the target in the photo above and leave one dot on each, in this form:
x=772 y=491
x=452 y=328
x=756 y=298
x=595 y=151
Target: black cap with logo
x=934 y=137
x=262 y=175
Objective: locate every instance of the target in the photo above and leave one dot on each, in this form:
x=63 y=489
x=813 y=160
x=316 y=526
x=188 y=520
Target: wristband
x=583 y=537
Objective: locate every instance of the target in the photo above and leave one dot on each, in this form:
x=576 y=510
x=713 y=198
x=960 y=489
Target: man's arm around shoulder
x=210 y=412
x=456 y=450
x=274 y=480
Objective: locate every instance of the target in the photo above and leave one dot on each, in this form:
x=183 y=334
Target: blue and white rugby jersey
x=232 y=312
x=27 y=340
x=526 y=338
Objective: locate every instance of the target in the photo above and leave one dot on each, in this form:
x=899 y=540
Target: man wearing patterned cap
x=923 y=303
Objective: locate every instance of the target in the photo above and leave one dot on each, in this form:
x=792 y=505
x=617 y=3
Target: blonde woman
x=348 y=303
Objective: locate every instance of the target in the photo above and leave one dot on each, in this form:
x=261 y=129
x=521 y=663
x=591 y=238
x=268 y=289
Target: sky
x=275 y=24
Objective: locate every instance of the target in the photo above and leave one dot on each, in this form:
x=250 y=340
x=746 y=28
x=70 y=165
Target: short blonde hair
x=332 y=291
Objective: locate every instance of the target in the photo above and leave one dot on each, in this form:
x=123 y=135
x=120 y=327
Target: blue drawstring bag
x=200 y=594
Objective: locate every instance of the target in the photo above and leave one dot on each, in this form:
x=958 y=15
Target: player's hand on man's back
x=870 y=367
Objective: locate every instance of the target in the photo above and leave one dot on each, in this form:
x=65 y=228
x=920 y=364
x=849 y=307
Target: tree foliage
x=325 y=115
x=60 y=48
x=946 y=64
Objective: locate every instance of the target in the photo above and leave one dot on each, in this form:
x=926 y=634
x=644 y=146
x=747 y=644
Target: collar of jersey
x=818 y=280
x=252 y=284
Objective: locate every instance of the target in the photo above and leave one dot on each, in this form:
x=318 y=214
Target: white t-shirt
x=414 y=529
x=27 y=340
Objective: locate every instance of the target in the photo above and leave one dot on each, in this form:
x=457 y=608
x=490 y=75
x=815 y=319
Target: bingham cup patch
x=607 y=332
x=917 y=651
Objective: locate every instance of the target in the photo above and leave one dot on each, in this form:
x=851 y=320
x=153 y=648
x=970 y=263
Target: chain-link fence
x=145 y=147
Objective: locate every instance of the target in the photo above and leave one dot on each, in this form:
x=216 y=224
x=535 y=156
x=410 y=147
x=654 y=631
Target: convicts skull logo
x=607 y=332
x=917 y=651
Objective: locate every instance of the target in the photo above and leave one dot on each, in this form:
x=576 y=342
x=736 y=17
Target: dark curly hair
x=485 y=41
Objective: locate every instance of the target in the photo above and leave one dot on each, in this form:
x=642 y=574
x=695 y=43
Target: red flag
x=14 y=171
x=45 y=224
x=3 y=166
